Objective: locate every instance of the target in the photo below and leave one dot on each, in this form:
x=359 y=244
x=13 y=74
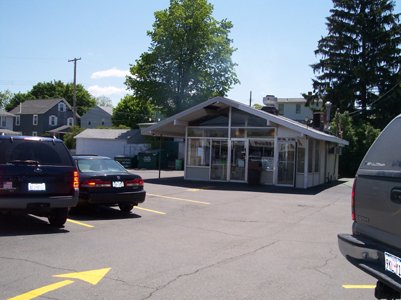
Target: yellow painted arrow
x=89 y=276
x=92 y=277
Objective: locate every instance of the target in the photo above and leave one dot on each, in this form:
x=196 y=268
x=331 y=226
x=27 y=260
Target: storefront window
x=252 y=132
x=301 y=158
x=310 y=156
x=198 y=152
x=207 y=132
x=243 y=119
x=317 y=157
x=263 y=151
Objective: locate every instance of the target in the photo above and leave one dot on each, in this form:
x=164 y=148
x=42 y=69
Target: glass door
x=218 y=170
x=238 y=159
x=286 y=163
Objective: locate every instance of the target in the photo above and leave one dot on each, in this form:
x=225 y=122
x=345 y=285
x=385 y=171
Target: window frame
x=35 y=119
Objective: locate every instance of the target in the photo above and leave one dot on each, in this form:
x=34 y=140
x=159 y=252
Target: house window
x=52 y=120
x=102 y=121
x=70 y=121
x=89 y=122
x=3 y=122
x=298 y=109
x=17 y=120
x=281 y=109
x=35 y=119
x=34 y=133
x=61 y=107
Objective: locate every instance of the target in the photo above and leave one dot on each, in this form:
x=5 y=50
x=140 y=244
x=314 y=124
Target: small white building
x=228 y=141
x=110 y=142
x=295 y=109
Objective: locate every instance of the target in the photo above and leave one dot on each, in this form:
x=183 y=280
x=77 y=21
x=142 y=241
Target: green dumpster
x=126 y=162
x=178 y=164
x=150 y=159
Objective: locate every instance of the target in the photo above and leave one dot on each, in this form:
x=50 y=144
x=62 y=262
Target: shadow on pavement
x=99 y=212
x=14 y=225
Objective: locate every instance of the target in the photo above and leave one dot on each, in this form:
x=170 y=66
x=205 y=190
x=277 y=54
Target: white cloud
x=97 y=91
x=114 y=72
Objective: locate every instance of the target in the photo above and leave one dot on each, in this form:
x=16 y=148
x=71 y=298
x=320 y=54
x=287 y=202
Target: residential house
x=110 y=142
x=295 y=109
x=37 y=117
x=97 y=116
x=7 y=123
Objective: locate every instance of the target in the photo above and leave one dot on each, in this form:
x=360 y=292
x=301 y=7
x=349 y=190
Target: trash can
x=126 y=162
x=178 y=164
x=254 y=172
x=150 y=159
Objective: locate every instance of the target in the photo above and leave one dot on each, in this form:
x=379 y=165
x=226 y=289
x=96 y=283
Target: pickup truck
x=375 y=243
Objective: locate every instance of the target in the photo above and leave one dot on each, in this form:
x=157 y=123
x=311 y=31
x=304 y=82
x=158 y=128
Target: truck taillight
x=76 y=179
x=134 y=183
x=353 y=200
x=95 y=183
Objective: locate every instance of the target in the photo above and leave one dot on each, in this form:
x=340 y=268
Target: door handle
x=396 y=195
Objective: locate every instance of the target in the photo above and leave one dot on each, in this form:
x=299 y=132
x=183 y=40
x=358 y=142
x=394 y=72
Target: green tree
x=360 y=59
x=57 y=89
x=189 y=60
x=69 y=139
x=103 y=101
x=130 y=111
x=360 y=137
x=5 y=98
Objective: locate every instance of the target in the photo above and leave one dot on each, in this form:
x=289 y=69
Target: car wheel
x=58 y=216
x=126 y=207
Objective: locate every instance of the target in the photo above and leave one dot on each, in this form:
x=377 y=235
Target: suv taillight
x=76 y=180
x=89 y=183
x=134 y=183
x=353 y=199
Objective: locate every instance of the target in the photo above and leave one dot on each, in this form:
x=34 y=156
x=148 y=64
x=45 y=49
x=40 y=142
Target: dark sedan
x=104 y=181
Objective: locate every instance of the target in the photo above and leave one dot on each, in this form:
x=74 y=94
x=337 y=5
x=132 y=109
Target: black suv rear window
x=385 y=152
x=44 y=152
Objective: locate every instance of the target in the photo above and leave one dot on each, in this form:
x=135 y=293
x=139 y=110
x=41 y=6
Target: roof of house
x=130 y=135
x=175 y=125
x=61 y=129
x=9 y=132
x=37 y=106
x=6 y=114
x=107 y=109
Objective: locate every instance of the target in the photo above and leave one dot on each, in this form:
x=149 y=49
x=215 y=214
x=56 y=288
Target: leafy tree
x=360 y=59
x=189 y=60
x=360 y=137
x=130 y=111
x=56 y=89
x=5 y=98
x=69 y=139
x=257 y=106
x=103 y=101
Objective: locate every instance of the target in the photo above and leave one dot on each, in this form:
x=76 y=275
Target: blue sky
x=275 y=41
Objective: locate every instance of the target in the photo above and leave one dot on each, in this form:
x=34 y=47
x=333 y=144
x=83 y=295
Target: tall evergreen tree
x=360 y=59
x=189 y=60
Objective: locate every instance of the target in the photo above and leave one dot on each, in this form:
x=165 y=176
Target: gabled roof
x=37 y=106
x=3 y=113
x=107 y=109
x=175 y=125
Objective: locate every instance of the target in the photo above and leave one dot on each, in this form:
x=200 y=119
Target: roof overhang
x=175 y=126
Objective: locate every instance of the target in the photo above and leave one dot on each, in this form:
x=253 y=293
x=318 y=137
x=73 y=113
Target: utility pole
x=74 y=107
x=250 y=99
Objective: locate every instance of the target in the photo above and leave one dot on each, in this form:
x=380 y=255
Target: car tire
x=126 y=207
x=58 y=216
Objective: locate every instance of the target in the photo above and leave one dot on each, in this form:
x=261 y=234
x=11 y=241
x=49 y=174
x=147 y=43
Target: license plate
x=118 y=184
x=392 y=264
x=36 y=187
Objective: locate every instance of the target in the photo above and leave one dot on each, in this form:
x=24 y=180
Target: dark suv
x=37 y=176
x=375 y=243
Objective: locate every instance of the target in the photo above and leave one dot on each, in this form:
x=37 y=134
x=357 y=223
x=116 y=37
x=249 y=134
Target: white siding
x=110 y=148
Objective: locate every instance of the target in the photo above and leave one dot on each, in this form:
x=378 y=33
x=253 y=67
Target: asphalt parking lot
x=189 y=240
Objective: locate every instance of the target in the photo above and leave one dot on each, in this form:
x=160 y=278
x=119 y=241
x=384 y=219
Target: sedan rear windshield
x=99 y=165
x=40 y=152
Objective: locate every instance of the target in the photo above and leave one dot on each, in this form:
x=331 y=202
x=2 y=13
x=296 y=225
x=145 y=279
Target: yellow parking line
x=199 y=189
x=79 y=223
x=158 y=212
x=177 y=198
x=359 y=286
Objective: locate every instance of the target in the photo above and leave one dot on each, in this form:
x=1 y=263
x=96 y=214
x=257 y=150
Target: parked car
x=37 y=176
x=375 y=243
x=104 y=181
